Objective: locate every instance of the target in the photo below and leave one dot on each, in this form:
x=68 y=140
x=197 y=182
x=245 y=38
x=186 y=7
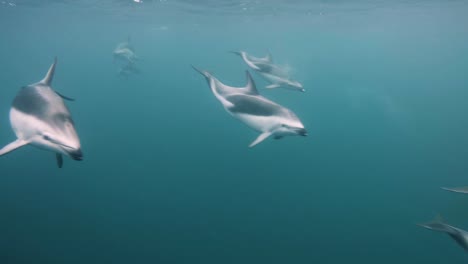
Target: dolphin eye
x=46 y=137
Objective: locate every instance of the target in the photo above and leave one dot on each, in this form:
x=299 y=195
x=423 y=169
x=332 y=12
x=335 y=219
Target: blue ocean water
x=167 y=176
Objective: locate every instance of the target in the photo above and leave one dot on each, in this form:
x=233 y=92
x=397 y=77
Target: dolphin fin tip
x=50 y=73
x=202 y=72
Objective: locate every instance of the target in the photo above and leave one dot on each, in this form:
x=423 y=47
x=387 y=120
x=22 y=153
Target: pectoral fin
x=272 y=86
x=59 y=158
x=64 y=97
x=12 y=146
x=260 y=138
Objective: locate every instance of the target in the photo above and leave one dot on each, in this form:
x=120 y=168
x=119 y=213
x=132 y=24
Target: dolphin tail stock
x=437 y=224
x=13 y=146
x=260 y=138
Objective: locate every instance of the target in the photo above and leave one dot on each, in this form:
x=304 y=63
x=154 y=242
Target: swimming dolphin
x=40 y=118
x=125 y=52
x=256 y=111
x=459 y=235
x=457 y=190
x=274 y=74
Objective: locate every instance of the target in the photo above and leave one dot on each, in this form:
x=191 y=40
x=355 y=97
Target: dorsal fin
x=50 y=74
x=250 y=84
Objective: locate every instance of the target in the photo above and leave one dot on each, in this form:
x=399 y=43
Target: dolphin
x=39 y=117
x=254 y=110
x=272 y=73
x=457 y=189
x=459 y=235
x=125 y=52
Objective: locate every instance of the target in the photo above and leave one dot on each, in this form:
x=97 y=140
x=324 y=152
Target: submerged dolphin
x=457 y=190
x=40 y=118
x=275 y=75
x=124 y=55
x=125 y=51
x=459 y=235
x=257 y=112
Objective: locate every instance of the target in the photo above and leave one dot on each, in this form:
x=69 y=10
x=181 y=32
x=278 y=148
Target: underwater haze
x=167 y=174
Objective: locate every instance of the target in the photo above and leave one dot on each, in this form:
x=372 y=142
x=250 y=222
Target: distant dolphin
x=457 y=190
x=275 y=75
x=40 y=118
x=459 y=235
x=125 y=52
x=257 y=112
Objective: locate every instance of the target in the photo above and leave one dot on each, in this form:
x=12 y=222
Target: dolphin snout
x=235 y=52
x=76 y=154
x=302 y=132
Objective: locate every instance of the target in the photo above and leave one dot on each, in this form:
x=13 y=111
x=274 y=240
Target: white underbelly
x=258 y=123
x=25 y=126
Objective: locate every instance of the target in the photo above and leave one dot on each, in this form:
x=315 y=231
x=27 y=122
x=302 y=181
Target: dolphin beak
x=235 y=52
x=303 y=132
x=76 y=154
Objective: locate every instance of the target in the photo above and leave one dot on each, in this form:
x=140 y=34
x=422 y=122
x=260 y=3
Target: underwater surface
x=167 y=174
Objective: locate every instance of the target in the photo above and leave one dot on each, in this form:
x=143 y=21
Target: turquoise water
x=167 y=176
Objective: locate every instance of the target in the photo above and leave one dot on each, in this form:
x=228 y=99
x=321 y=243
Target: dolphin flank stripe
x=244 y=104
x=31 y=102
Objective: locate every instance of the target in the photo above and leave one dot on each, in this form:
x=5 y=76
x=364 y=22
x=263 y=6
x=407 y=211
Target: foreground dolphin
x=40 y=118
x=257 y=112
x=275 y=75
x=457 y=190
x=459 y=235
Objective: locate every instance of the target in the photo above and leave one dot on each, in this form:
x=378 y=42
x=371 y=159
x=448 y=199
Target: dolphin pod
x=39 y=116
